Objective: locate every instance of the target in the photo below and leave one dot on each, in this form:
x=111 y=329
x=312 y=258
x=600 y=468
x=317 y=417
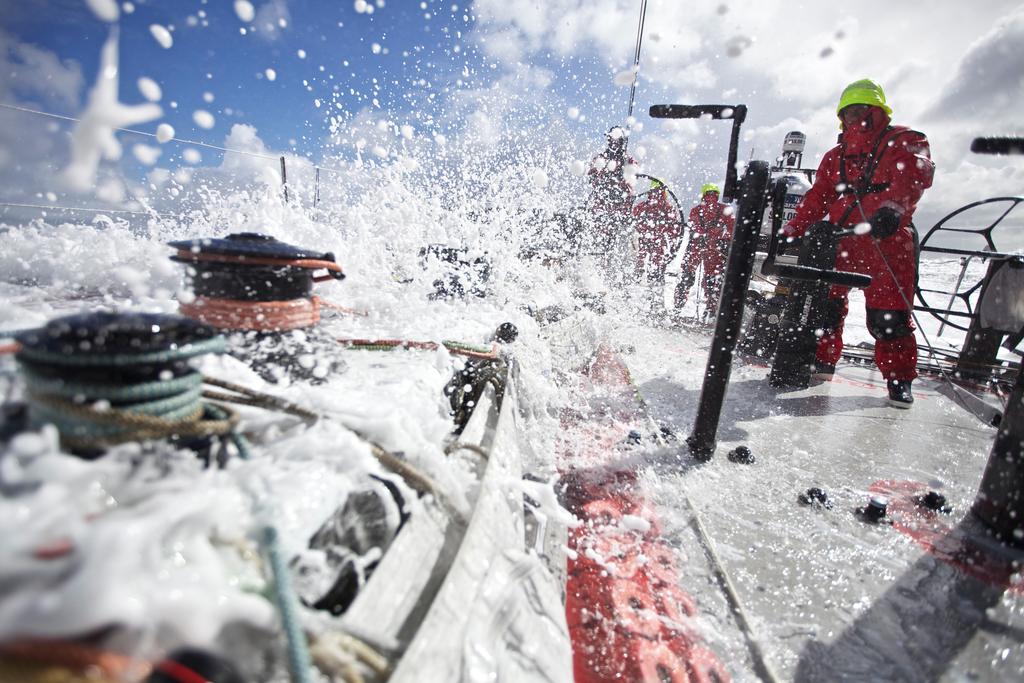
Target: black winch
x=256 y=284
x=240 y=266
x=112 y=348
x=107 y=378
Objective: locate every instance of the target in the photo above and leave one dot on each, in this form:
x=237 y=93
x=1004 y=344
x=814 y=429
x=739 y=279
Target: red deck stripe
x=628 y=618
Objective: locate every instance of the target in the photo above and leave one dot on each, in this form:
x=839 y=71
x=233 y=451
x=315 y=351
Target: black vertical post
x=981 y=347
x=316 y=189
x=738 y=269
x=284 y=180
x=808 y=309
x=1000 y=500
x=739 y=114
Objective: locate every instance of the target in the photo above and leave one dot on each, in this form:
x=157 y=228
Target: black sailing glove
x=884 y=223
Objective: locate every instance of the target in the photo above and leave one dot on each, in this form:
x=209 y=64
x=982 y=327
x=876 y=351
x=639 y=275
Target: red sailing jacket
x=711 y=224
x=886 y=166
x=657 y=225
x=609 y=190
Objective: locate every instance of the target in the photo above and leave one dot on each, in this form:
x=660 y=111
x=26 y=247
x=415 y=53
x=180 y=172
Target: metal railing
x=970 y=296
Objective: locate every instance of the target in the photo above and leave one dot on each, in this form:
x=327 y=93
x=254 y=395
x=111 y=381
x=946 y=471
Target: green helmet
x=656 y=184
x=864 y=91
x=709 y=187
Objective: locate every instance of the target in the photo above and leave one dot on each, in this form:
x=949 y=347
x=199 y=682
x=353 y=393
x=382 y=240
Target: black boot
x=900 y=394
x=823 y=371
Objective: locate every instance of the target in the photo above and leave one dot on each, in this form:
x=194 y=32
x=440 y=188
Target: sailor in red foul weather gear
x=611 y=202
x=711 y=226
x=658 y=231
x=875 y=175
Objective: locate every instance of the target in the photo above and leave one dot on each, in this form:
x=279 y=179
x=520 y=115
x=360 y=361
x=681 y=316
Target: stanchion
x=738 y=269
x=1000 y=500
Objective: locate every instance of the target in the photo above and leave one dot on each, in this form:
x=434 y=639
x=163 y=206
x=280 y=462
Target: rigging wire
x=197 y=143
x=141 y=132
x=636 y=55
x=52 y=207
x=762 y=667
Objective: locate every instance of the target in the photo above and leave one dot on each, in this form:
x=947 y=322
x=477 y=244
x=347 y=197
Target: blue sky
x=548 y=71
x=211 y=55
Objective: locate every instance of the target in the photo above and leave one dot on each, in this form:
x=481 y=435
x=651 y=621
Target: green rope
x=450 y=345
x=131 y=412
x=461 y=346
x=288 y=607
x=374 y=347
x=299 y=662
x=114 y=393
x=97 y=414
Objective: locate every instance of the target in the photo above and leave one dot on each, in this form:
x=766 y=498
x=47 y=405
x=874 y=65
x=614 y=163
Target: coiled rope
x=95 y=415
x=261 y=316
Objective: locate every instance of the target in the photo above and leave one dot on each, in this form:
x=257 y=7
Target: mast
x=636 y=54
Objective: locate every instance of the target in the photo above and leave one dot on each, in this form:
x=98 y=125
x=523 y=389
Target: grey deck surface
x=829 y=596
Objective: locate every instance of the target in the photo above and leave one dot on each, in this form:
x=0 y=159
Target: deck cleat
x=815 y=496
x=933 y=500
x=875 y=511
x=741 y=455
x=506 y=333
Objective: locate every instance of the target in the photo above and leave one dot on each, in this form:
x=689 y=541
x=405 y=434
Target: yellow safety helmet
x=864 y=91
x=709 y=187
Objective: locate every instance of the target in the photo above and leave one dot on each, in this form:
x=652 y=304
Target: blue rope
x=142 y=391
x=70 y=406
x=299 y=663
x=288 y=606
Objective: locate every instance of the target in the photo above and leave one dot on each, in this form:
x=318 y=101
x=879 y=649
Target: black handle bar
x=833 y=277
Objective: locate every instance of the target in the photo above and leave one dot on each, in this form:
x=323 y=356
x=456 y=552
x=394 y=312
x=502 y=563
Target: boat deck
x=921 y=595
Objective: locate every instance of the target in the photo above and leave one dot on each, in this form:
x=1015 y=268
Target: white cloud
x=38 y=75
x=954 y=71
x=989 y=78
